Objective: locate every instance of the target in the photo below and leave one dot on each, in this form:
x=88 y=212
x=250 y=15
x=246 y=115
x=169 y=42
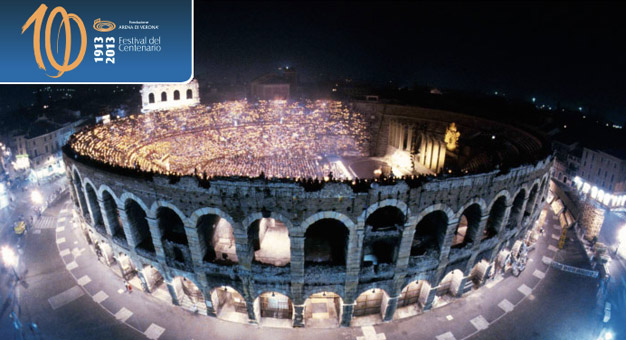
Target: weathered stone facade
x=504 y=205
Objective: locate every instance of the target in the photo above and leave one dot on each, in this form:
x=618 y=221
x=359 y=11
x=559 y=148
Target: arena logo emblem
x=37 y=17
x=103 y=25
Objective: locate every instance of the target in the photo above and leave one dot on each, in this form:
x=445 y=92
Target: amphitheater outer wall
x=241 y=202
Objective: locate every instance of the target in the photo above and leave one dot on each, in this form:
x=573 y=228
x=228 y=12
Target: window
x=163 y=96
x=189 y=94
x=46 y=149
x=599 y=171
x=176 y=95
x=151 y=98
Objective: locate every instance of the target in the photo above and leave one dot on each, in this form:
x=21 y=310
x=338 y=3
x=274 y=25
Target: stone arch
x=80 y=194
x=275 y=305
x=517 y=208
x=413 y=297
x=173 y=234
x=469 y=217
x=188 y=294
x=371 y=301
x=215 y=235
x=532 y=197
x=94 y=206
x=176 y=95
x=136 y=213
x=164 y=204
x=193 y=219
x=400 y=205
x=328 y=306
x=189 y=94
x=328 y=215
x=111 y=214
x=451 y=283
x=229 y=304
x=430 y=230
x=383 y=232
x=151 y=98
x=268 y=238
x=497 y=213
x=163 y=96
x=507 y=196
x=326 y=241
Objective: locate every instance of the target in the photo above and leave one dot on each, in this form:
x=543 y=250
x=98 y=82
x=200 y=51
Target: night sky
x=572 y=53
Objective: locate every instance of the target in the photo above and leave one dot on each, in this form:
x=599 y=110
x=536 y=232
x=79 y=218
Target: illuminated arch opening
x=465 y=231
x=229 y=304
x=269 y=238
x=323 y=310
x=217 y=241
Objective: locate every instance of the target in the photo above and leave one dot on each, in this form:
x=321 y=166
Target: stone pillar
x=156 y=238
x=346 y=315
x=404 y=253
x=447 y=241
x=131 y=236
x=392 y=304
x=144 y=284
x=461 y=289
x=194 y=247
x=105 y=217
x=353 y=265
x=298 y=316
x=297 y=258
x=172 y=291
x=430 y=299
x=244 y=253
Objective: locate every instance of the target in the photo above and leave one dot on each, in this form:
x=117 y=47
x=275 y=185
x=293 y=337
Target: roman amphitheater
x=305 y=214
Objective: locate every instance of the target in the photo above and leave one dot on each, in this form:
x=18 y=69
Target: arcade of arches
x=326 y=241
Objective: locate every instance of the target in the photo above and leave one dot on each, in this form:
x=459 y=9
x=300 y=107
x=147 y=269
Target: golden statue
x=452 y=137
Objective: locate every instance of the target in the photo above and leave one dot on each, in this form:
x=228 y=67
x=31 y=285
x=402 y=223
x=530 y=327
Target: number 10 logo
x=38 y=18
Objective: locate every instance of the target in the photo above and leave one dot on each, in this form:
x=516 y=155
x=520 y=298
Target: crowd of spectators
x=278 y=139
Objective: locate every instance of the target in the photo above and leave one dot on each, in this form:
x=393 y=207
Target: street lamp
x=36 y=197
x=10 y=259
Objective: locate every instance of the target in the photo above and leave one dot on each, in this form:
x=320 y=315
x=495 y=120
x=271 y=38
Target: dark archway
x=113 y=217
x=189 y=94
x=467 y=228
x=217 y=241
x=429 y=234
x=151 y=98
x=176 y=95
x=530 y=205
x=163 y=96
x=139 y=226
x=173 y=234
x=326 y=242
x=92 y=199
x=496 y=218
x=383 y=232
x=78 y=184
x=516 y=209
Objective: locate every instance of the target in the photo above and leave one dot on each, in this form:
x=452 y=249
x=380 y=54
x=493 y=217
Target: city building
x=37 y=150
